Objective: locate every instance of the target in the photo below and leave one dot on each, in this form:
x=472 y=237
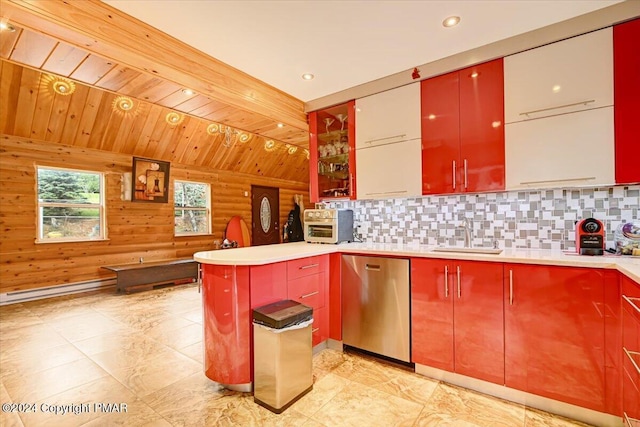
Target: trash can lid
x=281 y=314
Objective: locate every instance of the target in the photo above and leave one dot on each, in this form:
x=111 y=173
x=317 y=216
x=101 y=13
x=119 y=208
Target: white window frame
x=206 y=208
x=101 y=206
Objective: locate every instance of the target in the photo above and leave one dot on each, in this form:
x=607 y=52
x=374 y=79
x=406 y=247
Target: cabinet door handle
x=199 y=277
x=313 y=331
x=309 y=295
x=352 y=188
x=446 y=281
x=551 y=181
x=304 y=267
x=510 y=287
x=458 y=272
x=631 y=303
x=465 y=173
x=453 y=174
x=633 y=362
x=526 y=113
x=385 y=138
x=372 y=267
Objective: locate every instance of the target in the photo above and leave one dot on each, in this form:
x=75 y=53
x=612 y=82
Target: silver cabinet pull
x=446 y=281
x=313 y=331
x=510 y=287
x=633 y=362
x=631 y=303
x=199 y=277
x=352 y=188
x=309 y=295
x=526 y=113
x=465 y=173
x=458 y=272
x=551 y=181
x=372 y=267
x=453 y=174
x=304 y=267
x=385 y=138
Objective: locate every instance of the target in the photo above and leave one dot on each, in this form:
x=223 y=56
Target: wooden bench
x=147 y=275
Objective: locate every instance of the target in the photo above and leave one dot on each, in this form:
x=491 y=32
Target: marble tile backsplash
x=540 y=219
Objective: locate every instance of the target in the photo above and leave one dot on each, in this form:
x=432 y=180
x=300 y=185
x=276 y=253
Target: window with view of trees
x=70 y=205
x=192 y=208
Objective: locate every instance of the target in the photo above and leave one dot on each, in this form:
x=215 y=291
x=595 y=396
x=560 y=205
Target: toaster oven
x=328 y=225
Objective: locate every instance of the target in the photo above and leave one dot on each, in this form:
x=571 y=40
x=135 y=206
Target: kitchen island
x=586 y=300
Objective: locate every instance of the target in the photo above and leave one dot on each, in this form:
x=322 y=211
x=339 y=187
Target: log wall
x=134 y=229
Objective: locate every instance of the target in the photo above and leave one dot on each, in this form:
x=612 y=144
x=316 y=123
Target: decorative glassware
x=342 y=118
x=328 y=122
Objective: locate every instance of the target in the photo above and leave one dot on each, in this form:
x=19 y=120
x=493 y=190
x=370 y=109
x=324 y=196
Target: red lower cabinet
x=555 y=333
x=457 y=317
x=631 y=350
x=227 y=324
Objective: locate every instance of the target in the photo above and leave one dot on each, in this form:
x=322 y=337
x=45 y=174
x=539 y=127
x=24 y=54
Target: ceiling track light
x=228 y=133
x=123 y=103
x=5 y=26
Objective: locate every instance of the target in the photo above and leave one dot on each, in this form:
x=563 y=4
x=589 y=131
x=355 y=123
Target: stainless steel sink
x=490 y=251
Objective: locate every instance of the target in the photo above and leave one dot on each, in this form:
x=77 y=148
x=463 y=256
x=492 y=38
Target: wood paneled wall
x=135 y=229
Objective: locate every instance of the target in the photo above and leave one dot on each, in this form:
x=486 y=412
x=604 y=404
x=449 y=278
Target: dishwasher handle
x=372 y=267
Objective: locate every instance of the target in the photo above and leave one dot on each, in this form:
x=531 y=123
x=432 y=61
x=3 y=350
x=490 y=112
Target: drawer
x=309 y=290
x=320 y=328
x=307 y=266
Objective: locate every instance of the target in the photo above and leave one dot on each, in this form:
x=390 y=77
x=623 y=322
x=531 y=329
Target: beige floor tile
x=180 y=337
x=40 y=385
x=358 y=405
x=136 y=414
x=193 y=315
x=135 y=354
x=323 y=391
x=80 y=327
x=449 y=405
x=156 y=373
x=35 y=339
x=31 y=363
x=8 y=418
x=194 y=351
x=536 y=418
x=117 y=341
x=16 y=316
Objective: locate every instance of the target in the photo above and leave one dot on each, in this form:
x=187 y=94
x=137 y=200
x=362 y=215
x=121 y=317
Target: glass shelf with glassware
x=332 y=152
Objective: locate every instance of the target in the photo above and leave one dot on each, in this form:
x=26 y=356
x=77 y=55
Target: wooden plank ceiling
x=43 y=45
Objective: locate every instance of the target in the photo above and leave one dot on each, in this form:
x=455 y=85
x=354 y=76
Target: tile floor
x=145 y=351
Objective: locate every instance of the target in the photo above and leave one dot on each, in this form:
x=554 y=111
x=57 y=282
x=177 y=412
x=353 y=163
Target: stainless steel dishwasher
x=375 y=305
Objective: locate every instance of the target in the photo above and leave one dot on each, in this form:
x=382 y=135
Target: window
x=70 y=205
x=192 y=208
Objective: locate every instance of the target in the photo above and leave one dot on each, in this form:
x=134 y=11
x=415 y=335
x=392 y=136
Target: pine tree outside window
x=71 y=206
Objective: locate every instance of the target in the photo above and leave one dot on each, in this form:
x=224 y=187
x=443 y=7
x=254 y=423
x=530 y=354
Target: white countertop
x=260 y=255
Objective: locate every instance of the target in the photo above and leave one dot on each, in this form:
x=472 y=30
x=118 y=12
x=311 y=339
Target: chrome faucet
x=466 y=225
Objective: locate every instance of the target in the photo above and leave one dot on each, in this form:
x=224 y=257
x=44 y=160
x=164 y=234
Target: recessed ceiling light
x=269 y=145
x=308 y=76
x=123 y=103
x=451 y=21
x=62 y=86
x=5 y=26
x=556 y=88
x=280 y=125
x=188 y=92
x=174 y=118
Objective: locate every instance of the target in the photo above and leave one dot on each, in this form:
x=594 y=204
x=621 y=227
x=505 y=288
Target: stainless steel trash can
x=282 y=354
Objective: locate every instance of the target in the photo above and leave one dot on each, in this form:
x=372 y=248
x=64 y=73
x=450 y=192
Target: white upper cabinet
x=389 y=170
x=567 y=76
x=562 y=151
x=388 y=117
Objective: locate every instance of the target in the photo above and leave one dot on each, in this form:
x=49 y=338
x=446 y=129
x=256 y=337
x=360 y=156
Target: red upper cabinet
x=626 y=87
x=555 y=333
x=463 y=130
x=332 y=165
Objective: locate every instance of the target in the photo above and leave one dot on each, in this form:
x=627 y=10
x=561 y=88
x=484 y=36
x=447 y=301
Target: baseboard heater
x=55 y=291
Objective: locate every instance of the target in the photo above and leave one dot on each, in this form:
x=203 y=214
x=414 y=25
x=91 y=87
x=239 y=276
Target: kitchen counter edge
x=268 y=254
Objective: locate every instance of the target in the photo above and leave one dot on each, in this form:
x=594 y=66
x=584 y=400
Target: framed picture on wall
x=150 y=181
